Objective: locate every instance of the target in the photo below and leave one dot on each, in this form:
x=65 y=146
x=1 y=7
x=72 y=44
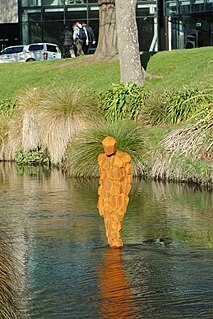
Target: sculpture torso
x=115 y=183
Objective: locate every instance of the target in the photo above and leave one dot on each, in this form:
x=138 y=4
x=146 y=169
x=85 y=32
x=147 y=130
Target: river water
x=165 y=269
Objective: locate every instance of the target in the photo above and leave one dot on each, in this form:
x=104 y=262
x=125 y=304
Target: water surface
x=165 y=269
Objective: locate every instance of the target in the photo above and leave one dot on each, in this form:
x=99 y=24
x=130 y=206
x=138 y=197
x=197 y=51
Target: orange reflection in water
x=116 y=300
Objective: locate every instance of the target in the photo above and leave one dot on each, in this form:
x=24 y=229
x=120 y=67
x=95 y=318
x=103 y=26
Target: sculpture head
x=109 y=145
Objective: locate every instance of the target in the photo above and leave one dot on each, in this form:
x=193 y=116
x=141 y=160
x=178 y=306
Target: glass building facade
x=162 y=24
x=189 y=20
x=43 y=20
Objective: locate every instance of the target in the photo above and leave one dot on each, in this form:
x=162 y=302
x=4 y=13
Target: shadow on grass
x=145 y=57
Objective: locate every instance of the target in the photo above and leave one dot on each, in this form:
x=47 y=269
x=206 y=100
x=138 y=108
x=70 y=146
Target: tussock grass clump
x=11 y=282
x=20 y=124
x=3 y=128
x=3 y=135
x=14 y=138
x=6 y=112
x=28 y=103
x=179 y=153
x=10 y=137
x=176 y=106
x=153 y=110
x=48 y=119
x=29 y=98
x=62 y=113
x=82 y=153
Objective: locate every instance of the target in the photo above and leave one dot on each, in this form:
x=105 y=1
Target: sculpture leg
x=113 y=228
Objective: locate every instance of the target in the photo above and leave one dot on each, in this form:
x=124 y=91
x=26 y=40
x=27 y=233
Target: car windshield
x=36 y=47
x=12 y=50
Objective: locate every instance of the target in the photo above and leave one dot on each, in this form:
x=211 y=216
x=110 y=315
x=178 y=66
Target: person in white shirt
x=80 y=37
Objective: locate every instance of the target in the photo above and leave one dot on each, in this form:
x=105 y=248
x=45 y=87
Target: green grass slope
x=84 y=71
x=182 y=68
x=174 y=69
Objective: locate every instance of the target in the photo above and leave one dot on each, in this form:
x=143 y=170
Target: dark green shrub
x=123 y=101
x=34 y=157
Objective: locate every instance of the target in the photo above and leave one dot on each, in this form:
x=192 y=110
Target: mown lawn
x=176 y=68
x=182 y=68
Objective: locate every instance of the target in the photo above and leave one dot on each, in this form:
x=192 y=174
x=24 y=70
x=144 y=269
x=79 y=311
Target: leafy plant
x=123 y=101
x=82 y=153
x=34 y=157
x=176 y=106
x=186 y=103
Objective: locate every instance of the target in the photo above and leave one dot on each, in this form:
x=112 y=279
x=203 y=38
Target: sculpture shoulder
x=125 y=157
x=101 y=157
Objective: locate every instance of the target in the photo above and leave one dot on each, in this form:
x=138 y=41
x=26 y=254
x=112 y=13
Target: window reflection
x=187 y=6
x=26 y=3
x=171 y=7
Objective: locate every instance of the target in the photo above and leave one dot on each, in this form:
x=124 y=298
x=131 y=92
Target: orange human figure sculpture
x=115 y=183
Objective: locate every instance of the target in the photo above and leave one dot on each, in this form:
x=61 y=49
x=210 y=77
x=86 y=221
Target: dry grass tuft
x=11 y=282
x=63 y=112
x=48 y=119
x=3 y=135
x=28 y=103
x=14 y=139
x=191 y=141
x=21 y=128
x=10 y=137
x=29 y=98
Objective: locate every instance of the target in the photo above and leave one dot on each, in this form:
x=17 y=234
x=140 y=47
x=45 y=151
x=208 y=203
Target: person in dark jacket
x=91 y=38
x=67 y=41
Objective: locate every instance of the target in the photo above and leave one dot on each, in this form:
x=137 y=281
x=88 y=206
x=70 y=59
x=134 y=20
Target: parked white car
x=30 y=52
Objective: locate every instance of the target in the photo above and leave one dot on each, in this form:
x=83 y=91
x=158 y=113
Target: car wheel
x=30 y=60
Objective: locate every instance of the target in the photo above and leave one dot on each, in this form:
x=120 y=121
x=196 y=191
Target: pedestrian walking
x=80 y=38
x=91 y=38
x=67 y=41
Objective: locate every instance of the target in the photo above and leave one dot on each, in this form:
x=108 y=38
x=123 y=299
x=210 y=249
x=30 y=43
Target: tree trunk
x=128 y=46
x=107 y=41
